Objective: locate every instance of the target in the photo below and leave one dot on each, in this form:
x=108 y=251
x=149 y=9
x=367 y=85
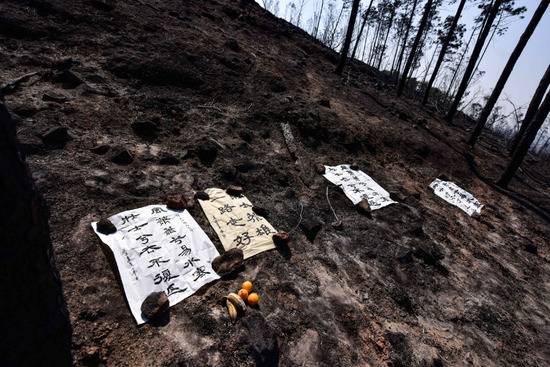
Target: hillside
x=177 y=96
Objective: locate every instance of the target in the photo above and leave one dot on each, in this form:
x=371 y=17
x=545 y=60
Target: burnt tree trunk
x=349 y=34
x=482 y=120
x=443 y=51
x=533 y=107
x=35 y=324
x=365 y=18
x=525 y=142
x=414 y=47
x=473 y=60
x=383 y=51
x=406 y=38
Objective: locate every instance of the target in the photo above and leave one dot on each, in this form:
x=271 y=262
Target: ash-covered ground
x=133 y=100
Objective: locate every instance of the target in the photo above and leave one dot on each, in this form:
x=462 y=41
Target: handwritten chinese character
x=263 y=230
x=226 y=208
x=157 y=262
x=164 y=277
x=137 y=227
x=199 y=273
x=243 y=239
x=185 y=251
x=157 y=210
x=143 y=238
x=177 y=239
x=252 y=217
x=235 y=222
x=172 y=289
x=190 y=262
x=149 y=249
x=163 y=220
x=169 y=230
x=127 y=218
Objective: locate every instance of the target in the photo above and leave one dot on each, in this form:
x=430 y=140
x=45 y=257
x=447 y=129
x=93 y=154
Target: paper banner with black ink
x=236 y=224
x=457 y=196
x=158 y=249
x=357 y=185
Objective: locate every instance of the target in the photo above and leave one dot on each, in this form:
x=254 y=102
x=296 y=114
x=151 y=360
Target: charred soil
x=137 y=99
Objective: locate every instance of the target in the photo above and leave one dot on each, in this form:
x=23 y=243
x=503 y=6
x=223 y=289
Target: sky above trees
x=527 y=72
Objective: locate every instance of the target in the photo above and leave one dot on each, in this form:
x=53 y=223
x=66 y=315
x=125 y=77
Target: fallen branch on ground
x=12 y=85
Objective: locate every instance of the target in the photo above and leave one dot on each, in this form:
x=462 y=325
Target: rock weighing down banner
x=357 y=185
x=455 y=195
x=236 y=224
x=158 y=249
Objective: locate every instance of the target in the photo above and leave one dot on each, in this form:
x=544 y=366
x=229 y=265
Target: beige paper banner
x=236 y=224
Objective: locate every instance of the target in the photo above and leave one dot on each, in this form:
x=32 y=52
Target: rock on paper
x=236 y=224
x=357 y=185
x=455 y=195
x=158 y=249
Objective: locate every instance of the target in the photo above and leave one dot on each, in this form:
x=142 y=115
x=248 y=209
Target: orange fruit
x=247 y=285
x=253 y=299
x=243 y=293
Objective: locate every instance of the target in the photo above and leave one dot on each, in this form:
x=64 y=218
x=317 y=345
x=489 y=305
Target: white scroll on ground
x=158 y=249
x=457 y=196
x=357 y=185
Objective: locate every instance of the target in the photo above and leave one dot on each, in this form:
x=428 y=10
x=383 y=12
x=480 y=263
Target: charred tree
x=406 y=37
x=482 y=120
x=525 y=142
x=363 y=23
x=473 y=59
x=34 y=323
x=443 y=51
x=412 y=54
x=349 y=34
x=532 y=109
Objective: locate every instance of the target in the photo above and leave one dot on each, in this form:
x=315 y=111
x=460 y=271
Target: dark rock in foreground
x=155 y=305
x=105 y=226
x=228 y=262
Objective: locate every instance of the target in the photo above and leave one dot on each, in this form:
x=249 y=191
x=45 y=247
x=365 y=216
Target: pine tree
x=349 y=34
x=365 y=18
x=525 y=142
x=539 y=12
x=532 y=109
x=412 y=54
x=443 y=51
x=486 y=28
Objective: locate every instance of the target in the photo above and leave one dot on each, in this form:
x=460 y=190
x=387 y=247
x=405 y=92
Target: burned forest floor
x=124 y=102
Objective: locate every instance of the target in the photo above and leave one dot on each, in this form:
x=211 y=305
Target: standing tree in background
x=532 y=109
x=456 y=70
x=317 y=20
x=507 y=10
x=443 y=51
x=406 y=37
x=391 y=8
x=525 y=142
x=349 y=34
x=486 y=28
x=365 y=18
x=412 y=54
x=539 y=12
x=433 y=18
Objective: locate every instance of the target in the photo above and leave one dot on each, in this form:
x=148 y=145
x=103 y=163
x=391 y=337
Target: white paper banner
x=236 y=224
x=357 y=185
x=158 y=249
x=453 y=194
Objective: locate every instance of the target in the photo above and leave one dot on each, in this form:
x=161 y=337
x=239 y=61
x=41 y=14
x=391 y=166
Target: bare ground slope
x=419 y=284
